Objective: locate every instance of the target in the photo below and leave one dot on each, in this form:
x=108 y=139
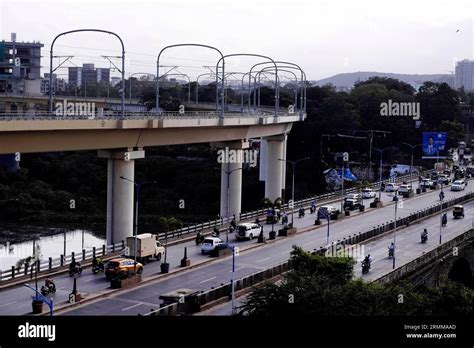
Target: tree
x=438 y=103
x=323 y=286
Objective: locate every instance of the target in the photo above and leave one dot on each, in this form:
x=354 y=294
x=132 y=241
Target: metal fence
x=26 y=270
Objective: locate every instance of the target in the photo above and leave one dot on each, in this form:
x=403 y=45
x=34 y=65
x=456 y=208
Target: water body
x=52 y=242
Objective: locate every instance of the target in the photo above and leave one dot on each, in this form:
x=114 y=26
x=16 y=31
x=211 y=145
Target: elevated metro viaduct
x=122 y=140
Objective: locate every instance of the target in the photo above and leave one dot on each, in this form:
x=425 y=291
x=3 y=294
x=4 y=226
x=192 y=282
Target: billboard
x=434 y=145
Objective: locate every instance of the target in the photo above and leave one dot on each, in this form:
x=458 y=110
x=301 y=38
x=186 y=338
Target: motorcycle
x=312 y=210
x=424 y=238
x=76 y=270
x=301 y=213
x=390 y=253
x=97 y=268
x=365 y=267
x=444 y=220
x=46 y=290
x=284 y=219
x=199 y=239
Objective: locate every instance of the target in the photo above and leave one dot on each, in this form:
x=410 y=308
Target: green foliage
x=323 y=286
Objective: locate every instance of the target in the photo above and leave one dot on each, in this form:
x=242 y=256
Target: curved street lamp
x=249 y=55
x=290 y=65
x=89 y=30
x=284 y=70
x=158 y=71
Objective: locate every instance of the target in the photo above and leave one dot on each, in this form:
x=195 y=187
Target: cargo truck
x=148 y=246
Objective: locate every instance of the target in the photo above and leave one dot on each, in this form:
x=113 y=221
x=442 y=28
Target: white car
x=405 y=189
x=209 y=244
x=368 y=193
x=247 y=230
x=391 y=187
x=458 y=185
x=427 y=183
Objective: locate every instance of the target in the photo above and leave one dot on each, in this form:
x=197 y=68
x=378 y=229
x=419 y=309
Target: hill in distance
x=347 y=80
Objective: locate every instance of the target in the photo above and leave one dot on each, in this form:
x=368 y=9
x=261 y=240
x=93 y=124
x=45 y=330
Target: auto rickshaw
x=458 y=211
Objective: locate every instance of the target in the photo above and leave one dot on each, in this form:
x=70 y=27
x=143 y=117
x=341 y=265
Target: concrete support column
x=120 y=193
x=274 y=167
x=231 y=155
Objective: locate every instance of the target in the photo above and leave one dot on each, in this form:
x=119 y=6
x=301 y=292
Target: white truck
x=148 y=246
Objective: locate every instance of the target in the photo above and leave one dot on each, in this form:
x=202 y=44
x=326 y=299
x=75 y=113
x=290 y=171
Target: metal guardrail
x=50 y=264
x=114 y=115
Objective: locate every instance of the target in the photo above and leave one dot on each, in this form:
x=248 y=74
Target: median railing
x=193 y=303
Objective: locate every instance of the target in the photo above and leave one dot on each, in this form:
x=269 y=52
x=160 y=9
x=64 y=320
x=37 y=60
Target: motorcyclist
x=424 y=234
x=445 y=219
x=313 y=207
x=233 y=224
x=284 y=218
x=97 y=262
x=50 y=284
x=391 y=250
x=301 y=212
x=216 y=232
x=257 y=221
x=74 y=265
x=199 y=238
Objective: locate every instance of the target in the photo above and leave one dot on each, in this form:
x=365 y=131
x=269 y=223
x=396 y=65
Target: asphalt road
x=17 y=301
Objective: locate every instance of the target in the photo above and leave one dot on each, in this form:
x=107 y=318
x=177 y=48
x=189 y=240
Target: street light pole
x=137 y=200
x=395 y=227
x=293 y=167
x=381 y=156
x=441 y=198
x=412 y=148
x=233 y=284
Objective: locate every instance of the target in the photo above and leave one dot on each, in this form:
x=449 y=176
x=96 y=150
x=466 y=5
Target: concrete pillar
x=120 y=193
x=274 y=167
x=231 y=155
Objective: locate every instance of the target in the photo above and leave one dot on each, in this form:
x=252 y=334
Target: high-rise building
x=59 y=85
x=464 y=75
x=88 y=74
x=20 y=62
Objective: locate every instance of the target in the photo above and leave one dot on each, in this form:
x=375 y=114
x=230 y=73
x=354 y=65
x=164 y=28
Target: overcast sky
x=324 y=37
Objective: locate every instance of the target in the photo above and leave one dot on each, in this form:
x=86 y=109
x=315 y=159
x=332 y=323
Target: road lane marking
x=237 y=269
x=206 y=280
x=135 y=305
x=267 y=258
x=7 y=304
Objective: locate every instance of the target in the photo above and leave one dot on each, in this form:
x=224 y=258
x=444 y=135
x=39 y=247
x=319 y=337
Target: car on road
x=368 y=193
x=121 y=267
x=327 y=210
x=406 y=188
x=391 y=187
x=209 y=244
x=353 y=201
x=426 y=183
x=458 y=185
x=444 y=179
x=247 y=230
